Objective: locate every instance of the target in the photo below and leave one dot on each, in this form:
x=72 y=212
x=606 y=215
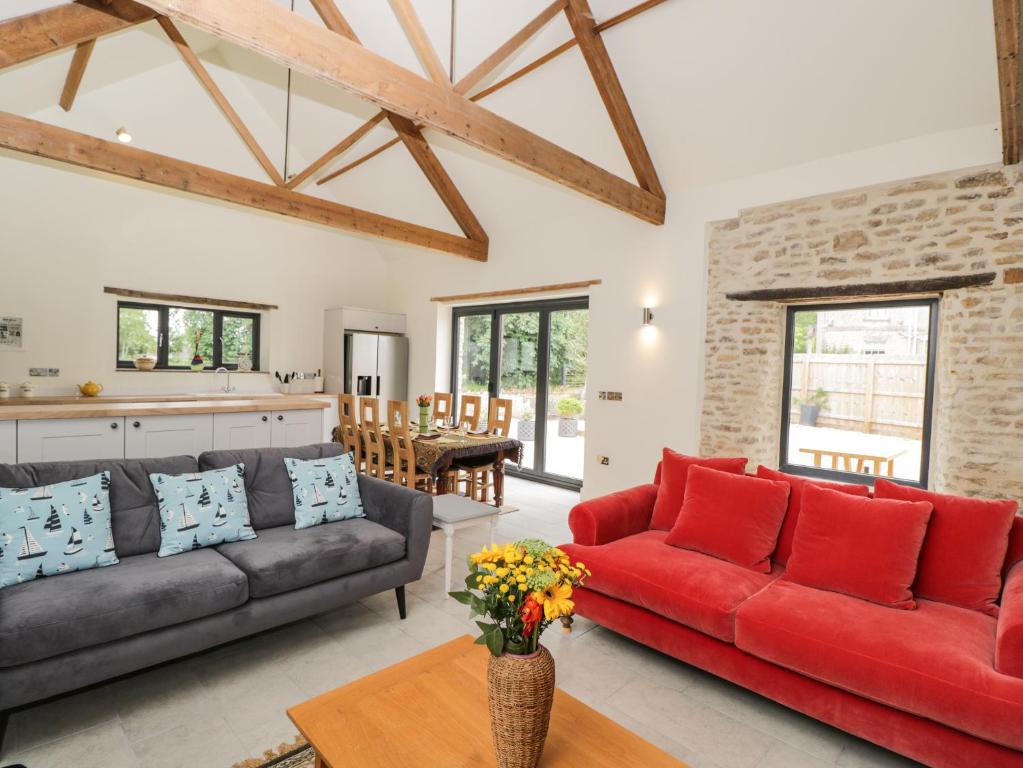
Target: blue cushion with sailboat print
x=55 y=529
x=202 y=509
x=326 y=490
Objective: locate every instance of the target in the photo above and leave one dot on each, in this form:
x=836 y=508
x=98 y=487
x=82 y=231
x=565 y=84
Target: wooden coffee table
x=431 y=710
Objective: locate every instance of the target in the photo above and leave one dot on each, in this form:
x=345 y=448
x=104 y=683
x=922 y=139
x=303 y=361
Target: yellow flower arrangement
x=521 y=588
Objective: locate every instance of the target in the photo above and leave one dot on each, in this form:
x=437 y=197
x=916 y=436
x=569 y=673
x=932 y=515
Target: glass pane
x=566 y=418
x=238 y=337
x=858 y=389
x=520 y=352
x=138 y=332
x=473 y=362
x=191 y=330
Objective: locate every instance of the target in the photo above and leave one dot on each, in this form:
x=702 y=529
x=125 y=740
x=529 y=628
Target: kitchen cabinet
x=290 y=429
x=70 y=439
x=371 y=320
x=236 y=431
x=152 y=437
x=8 y=442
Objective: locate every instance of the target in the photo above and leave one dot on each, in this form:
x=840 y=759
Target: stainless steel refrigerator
x=376 y=365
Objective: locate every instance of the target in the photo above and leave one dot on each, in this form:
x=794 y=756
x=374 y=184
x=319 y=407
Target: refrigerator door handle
x=378 y=386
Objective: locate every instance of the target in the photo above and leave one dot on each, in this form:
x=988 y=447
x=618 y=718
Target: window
x=169 y=334
x=859 y=385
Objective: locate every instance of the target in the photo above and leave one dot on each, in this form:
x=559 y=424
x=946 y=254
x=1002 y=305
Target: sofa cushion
x=734 y=517
x=135 y=516
x=283 y=558
x=325 y=490
x=48 y=617
x=798 y=484
x=671 y=490
x=936 y=662
x=691 y=588
x=964 y=550
x=867 y=548
x=267 y=484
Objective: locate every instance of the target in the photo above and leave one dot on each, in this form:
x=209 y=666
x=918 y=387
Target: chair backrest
x=372 y=437
x=350 y=438
x=443 y=407
x=470 y=411
x=404 y=454
x=499 y=419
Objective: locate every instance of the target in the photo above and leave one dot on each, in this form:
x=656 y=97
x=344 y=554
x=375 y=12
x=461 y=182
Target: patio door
x=533 y=353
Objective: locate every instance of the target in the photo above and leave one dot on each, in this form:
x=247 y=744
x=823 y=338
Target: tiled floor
x=227 y=705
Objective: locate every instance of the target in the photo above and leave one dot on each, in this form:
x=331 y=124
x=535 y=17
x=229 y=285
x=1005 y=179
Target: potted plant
x=520 y=589
x=810 y=407
x=424 y=402
x=569 y=411
x=527 y=427
x=197 y=362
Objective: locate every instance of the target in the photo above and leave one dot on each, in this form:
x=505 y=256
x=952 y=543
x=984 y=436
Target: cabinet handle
x=113 y=425
x=280 y=417
x=266 y=418
x=137 y=424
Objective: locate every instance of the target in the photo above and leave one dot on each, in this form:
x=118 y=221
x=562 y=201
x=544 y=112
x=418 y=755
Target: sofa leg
x=5 y=717
x=400 y=594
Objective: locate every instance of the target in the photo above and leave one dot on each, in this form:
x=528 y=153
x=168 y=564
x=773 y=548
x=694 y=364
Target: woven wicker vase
x=520 y=690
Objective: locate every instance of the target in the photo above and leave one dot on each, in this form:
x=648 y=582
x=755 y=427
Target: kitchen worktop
x=17 y=409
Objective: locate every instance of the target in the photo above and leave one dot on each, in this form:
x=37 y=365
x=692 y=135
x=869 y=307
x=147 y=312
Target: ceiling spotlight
x=123 y=136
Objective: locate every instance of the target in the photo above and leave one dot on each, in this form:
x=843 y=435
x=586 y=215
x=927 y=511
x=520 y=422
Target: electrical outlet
x=616 y=396
x=604 y=460
x=44 y=372
x=602 y=395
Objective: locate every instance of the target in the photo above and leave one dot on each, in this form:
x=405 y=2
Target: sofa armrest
x=1009 y=637
x=408 y=512
x=611 y=517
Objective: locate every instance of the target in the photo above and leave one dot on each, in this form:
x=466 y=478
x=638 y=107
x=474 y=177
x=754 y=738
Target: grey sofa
x=61 y=633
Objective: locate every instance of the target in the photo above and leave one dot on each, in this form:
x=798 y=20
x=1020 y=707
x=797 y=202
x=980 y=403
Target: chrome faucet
x=228 y=389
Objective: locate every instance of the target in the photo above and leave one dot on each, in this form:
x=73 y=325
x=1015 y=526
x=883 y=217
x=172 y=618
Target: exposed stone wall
x=955 y=223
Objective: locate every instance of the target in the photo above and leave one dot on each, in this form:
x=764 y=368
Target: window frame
x=821 y=473
x=163 y=335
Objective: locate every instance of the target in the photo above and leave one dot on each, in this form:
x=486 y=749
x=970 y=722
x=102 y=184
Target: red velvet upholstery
x=788 y=529
x=1015 y=553
x=604 y=519
x=1009 y=640
x=935 y=662
x=672 y=488
x=867 y=548
x=916 y=737
x=964 y=550
x=691 y=588
x=734 y=517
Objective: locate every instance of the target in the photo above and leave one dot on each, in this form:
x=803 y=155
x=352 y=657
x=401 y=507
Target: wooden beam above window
x=554 y=288
x=174 y=298
x=929 y=285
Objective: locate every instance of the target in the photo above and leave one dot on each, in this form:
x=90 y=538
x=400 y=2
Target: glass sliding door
x=534 y=354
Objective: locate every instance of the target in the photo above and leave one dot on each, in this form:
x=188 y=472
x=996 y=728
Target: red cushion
x=866 y=548
x=1009 y=640
x=696 y=590
x=935 y=662
x=1015 y=553
x=672 y=488
x=964 y=550
x=734 y=517
x=788 y=529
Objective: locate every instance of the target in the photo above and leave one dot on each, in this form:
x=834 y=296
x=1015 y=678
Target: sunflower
x=556 y=601
x=483 y=556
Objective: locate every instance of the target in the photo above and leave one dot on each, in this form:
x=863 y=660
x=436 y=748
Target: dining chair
x=470 y=411
x=443 y=407
x=481 y=477
x=403 y=450
x=350 y=437
x=373 y=437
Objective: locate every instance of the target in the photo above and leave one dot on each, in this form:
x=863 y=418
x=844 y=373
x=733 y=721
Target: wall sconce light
x=123 y=136
x=648 y=316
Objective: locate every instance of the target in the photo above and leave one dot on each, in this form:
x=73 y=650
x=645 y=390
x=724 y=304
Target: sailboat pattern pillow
x=55 y=529
x=202 y=509
x=326 y=490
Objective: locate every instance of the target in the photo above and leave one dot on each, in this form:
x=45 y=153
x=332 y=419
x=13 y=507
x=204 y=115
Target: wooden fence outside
x=873 y=394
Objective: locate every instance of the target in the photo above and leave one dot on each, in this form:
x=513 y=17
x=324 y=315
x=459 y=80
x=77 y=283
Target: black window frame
x=822 y=473
x=163 y=335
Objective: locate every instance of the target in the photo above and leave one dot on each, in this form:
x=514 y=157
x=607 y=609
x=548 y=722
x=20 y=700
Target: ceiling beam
x=337 y=150
x=292 y=41
x=580 y=18
x=204 y=77
x=79 y=61
x=416 y=34
x=32 y=137
x=359 y=161
x=1008 y=30
x=25 y=37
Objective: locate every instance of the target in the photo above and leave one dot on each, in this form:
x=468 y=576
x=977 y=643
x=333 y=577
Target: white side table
x=451 y=513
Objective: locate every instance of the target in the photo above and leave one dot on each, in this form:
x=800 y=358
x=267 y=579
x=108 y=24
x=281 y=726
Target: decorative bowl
x=145 y=363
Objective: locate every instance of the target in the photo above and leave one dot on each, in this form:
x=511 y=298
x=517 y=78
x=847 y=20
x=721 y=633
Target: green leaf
x=484 y=627
x=463 y=597
x=470 y=581
x=481 y=640
x=477 y=607
x=495 y=641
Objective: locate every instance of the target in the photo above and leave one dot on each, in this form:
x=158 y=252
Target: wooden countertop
x=171 y=405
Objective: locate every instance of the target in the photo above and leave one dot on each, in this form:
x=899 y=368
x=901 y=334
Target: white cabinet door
x=8 y=442
x=70 y=439
x=295 y=428
x=371 y=320
x=235 y=431
x=152 y=437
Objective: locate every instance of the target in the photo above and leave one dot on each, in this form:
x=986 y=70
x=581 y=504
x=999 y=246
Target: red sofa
x=922 y=683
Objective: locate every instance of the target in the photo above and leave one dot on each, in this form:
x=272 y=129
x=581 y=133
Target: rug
x=292 y=754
